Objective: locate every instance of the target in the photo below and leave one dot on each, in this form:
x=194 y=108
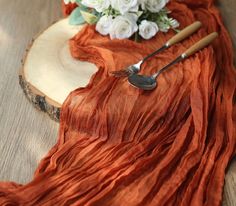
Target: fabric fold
x=120 y=146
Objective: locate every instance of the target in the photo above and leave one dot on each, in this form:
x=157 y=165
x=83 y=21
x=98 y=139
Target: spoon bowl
x=142 y=81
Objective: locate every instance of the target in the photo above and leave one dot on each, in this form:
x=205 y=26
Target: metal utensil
x=183 y=34
x=149 y=82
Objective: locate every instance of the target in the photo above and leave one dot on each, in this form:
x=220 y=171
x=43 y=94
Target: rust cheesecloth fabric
x=119 y=146
x=66 y=10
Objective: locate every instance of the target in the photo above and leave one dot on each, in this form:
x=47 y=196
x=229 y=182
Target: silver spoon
x=150 y=83
x=183 y=34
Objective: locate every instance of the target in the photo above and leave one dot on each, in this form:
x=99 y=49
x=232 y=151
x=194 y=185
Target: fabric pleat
x=120 y=146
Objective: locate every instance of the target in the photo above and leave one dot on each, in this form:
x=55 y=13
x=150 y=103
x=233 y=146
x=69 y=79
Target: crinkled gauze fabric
x=120 y=146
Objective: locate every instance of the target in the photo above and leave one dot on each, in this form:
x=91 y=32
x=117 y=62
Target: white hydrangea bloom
x=124 y=26
x=99 y=5
x=174 y=23
x=148 y=29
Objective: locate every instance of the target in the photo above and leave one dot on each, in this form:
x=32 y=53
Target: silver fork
x=183 y=34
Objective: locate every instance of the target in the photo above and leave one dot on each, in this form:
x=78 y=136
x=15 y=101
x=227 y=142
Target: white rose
x=148 y=29
x=104 y=24
x=142 y=3
x=124 y=6
x=99 y=5
x=155 y=5
x=124 y=26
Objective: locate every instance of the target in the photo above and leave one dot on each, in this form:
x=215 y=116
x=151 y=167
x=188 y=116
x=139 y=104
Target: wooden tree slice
x=49 y=72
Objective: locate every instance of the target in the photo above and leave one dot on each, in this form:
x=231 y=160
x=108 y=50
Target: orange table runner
x=120 y=146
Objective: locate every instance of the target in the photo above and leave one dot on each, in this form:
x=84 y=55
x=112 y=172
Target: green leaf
x=139 y=13
x=81 y=6
x=88 y=17
x=95 y=13
x=78 y=1
x=76 y=17
x=176 y=30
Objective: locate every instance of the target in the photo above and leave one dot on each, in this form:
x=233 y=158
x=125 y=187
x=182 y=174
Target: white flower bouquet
x=122 y=19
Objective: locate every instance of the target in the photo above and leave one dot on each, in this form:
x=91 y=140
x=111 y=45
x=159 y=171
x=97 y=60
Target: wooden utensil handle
x=186 y=32
x=200 y=44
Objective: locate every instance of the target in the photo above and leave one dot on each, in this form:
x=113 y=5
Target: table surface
x=28 y=134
